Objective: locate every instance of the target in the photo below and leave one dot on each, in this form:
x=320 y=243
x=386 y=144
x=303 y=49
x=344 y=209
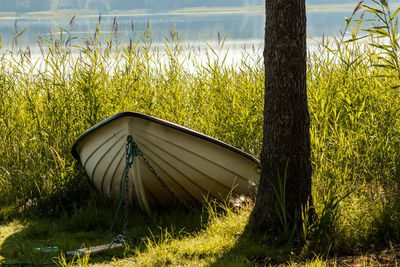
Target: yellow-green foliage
x=202 y=248
x=48 y=101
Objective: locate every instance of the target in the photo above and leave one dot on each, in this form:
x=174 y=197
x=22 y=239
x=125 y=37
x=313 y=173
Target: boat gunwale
x=164 y=123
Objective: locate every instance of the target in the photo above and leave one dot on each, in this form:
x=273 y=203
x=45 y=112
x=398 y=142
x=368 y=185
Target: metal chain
x=129 y=160
x=169 y=189
x=130 y=153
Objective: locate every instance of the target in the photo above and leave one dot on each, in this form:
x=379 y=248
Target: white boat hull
x=193 y=165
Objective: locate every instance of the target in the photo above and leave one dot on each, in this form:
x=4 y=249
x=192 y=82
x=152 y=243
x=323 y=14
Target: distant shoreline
x=196 y=10
x=310 y=8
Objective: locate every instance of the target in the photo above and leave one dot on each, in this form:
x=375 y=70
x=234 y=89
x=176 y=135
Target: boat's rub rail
x=162 y=122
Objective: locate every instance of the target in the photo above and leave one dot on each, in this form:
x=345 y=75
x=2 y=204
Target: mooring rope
x=130 y=152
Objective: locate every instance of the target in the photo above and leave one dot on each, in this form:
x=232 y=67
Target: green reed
x=48 y=101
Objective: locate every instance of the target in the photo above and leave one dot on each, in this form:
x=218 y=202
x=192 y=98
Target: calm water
x=239 y=28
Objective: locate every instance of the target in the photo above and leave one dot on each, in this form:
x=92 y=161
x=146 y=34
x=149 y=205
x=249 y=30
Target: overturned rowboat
x=172 y=162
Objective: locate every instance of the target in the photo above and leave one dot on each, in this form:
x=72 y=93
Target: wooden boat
x=192 y=164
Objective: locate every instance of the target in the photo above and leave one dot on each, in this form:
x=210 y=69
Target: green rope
x=130 y=153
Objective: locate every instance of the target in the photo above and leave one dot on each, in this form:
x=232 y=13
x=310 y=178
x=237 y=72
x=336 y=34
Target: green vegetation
x=47 y=101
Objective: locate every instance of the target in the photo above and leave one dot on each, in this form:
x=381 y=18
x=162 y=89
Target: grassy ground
x=86 y=226
x=353 y=94
x=175 y=237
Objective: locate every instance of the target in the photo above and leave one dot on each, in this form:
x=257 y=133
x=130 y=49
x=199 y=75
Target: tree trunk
x=285 y=154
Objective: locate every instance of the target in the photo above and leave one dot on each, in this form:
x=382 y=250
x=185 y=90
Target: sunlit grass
x=49 y=100
x=175 y=238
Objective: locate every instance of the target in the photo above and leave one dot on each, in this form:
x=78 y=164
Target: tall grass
x=353 y=99
x=49 y=99
x=354 y=106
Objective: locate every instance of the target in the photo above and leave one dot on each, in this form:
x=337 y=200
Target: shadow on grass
x=86 y=226
x=250 y=250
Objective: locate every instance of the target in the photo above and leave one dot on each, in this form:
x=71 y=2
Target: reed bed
x=51 y=98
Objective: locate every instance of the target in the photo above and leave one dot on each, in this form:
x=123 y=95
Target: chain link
x=129 y=154
x=129 y=161
x=169 y=189
x=132 y=150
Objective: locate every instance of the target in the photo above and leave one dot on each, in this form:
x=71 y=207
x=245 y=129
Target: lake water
x=240 y=28
x=243 y=32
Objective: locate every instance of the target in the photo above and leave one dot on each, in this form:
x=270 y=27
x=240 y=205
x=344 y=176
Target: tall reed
x=51 y=98
x=354 y=106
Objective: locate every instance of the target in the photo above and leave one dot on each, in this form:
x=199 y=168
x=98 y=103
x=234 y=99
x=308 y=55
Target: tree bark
x=285 y=151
